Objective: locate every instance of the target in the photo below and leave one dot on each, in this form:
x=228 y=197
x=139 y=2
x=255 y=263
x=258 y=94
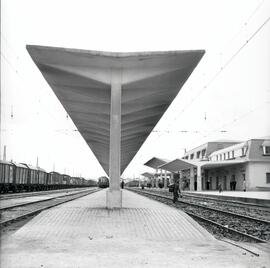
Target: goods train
x=133 y=183
x=103 y=182
x=18 y=177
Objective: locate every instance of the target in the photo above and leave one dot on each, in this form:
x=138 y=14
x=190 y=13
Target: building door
x=217 y=182
x=206 y=180
x=233 y=183
x=225 y=183
x=244 y=182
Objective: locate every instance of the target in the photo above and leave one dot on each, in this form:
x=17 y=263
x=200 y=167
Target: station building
x=203 y=151
x=229 y=165
x=242 y=166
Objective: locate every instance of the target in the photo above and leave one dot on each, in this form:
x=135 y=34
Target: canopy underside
x=82 y=82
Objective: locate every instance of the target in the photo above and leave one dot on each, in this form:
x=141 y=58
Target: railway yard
x=17 y=207
x=61 y=219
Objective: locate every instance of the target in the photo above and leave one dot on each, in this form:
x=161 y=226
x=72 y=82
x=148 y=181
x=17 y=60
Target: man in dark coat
x=176 y=191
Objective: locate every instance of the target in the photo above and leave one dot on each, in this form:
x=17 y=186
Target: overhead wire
x=234 y=121
x=224 y=66
x=245 y=23
x=17 y=73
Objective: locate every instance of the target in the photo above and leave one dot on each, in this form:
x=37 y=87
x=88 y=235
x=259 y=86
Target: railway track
x=232 y=202
x=30 y=194
x=254 y=211
x=227 y=224
x=17 y=212
x=259 y=212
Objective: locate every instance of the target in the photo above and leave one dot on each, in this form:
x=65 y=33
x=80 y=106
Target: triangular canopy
x=148 y=175
x=155 y=162
x=81 y=80
x=177 y=165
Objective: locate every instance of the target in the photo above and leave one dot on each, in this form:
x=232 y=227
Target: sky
x=226 y=97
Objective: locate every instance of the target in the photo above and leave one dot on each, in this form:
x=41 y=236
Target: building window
x=228 y=155
x=232 y=154
x=198 y=154
x=268 y=177
x=224 y=156
x=203 y=152
x=191 y=156
x=266 y=150
x=244 y=151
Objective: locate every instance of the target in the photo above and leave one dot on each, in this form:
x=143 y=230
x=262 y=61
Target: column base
x=199 y=183
x=113 y=199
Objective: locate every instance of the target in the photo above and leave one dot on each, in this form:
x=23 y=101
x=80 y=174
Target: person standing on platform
x=207 y=184
x=220 y=188
x=244 y=185
x=234 y=185
x=122 y=184
x=176 y=191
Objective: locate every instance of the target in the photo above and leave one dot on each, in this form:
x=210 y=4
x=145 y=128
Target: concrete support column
x=156 y=181
x=114 y=194
x=180 y=180
x=165 y=180
x=161 y=175
x=191 y=182
x=171 y=178
x=199 y=178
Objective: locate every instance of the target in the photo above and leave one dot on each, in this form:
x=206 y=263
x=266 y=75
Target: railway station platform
x=144 y=233
x=255 y=197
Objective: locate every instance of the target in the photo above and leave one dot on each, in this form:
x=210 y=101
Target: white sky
x=236 y=100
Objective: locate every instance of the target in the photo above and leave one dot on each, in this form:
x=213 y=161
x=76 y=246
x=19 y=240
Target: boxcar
x=20 y=177
x=7 y=170
x=75 y=181
x=91 y=183
x=49 y=181
x=57 y=180
x=66 y=180
x=42 y=179
x=13 y=176
x=32 y=178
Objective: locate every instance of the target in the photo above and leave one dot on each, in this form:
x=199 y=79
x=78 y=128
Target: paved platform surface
x=253 y=194
x=145 y=233
x=255 y=197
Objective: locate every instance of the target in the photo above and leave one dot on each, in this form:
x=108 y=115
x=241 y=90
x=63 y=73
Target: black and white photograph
x=135 y=134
